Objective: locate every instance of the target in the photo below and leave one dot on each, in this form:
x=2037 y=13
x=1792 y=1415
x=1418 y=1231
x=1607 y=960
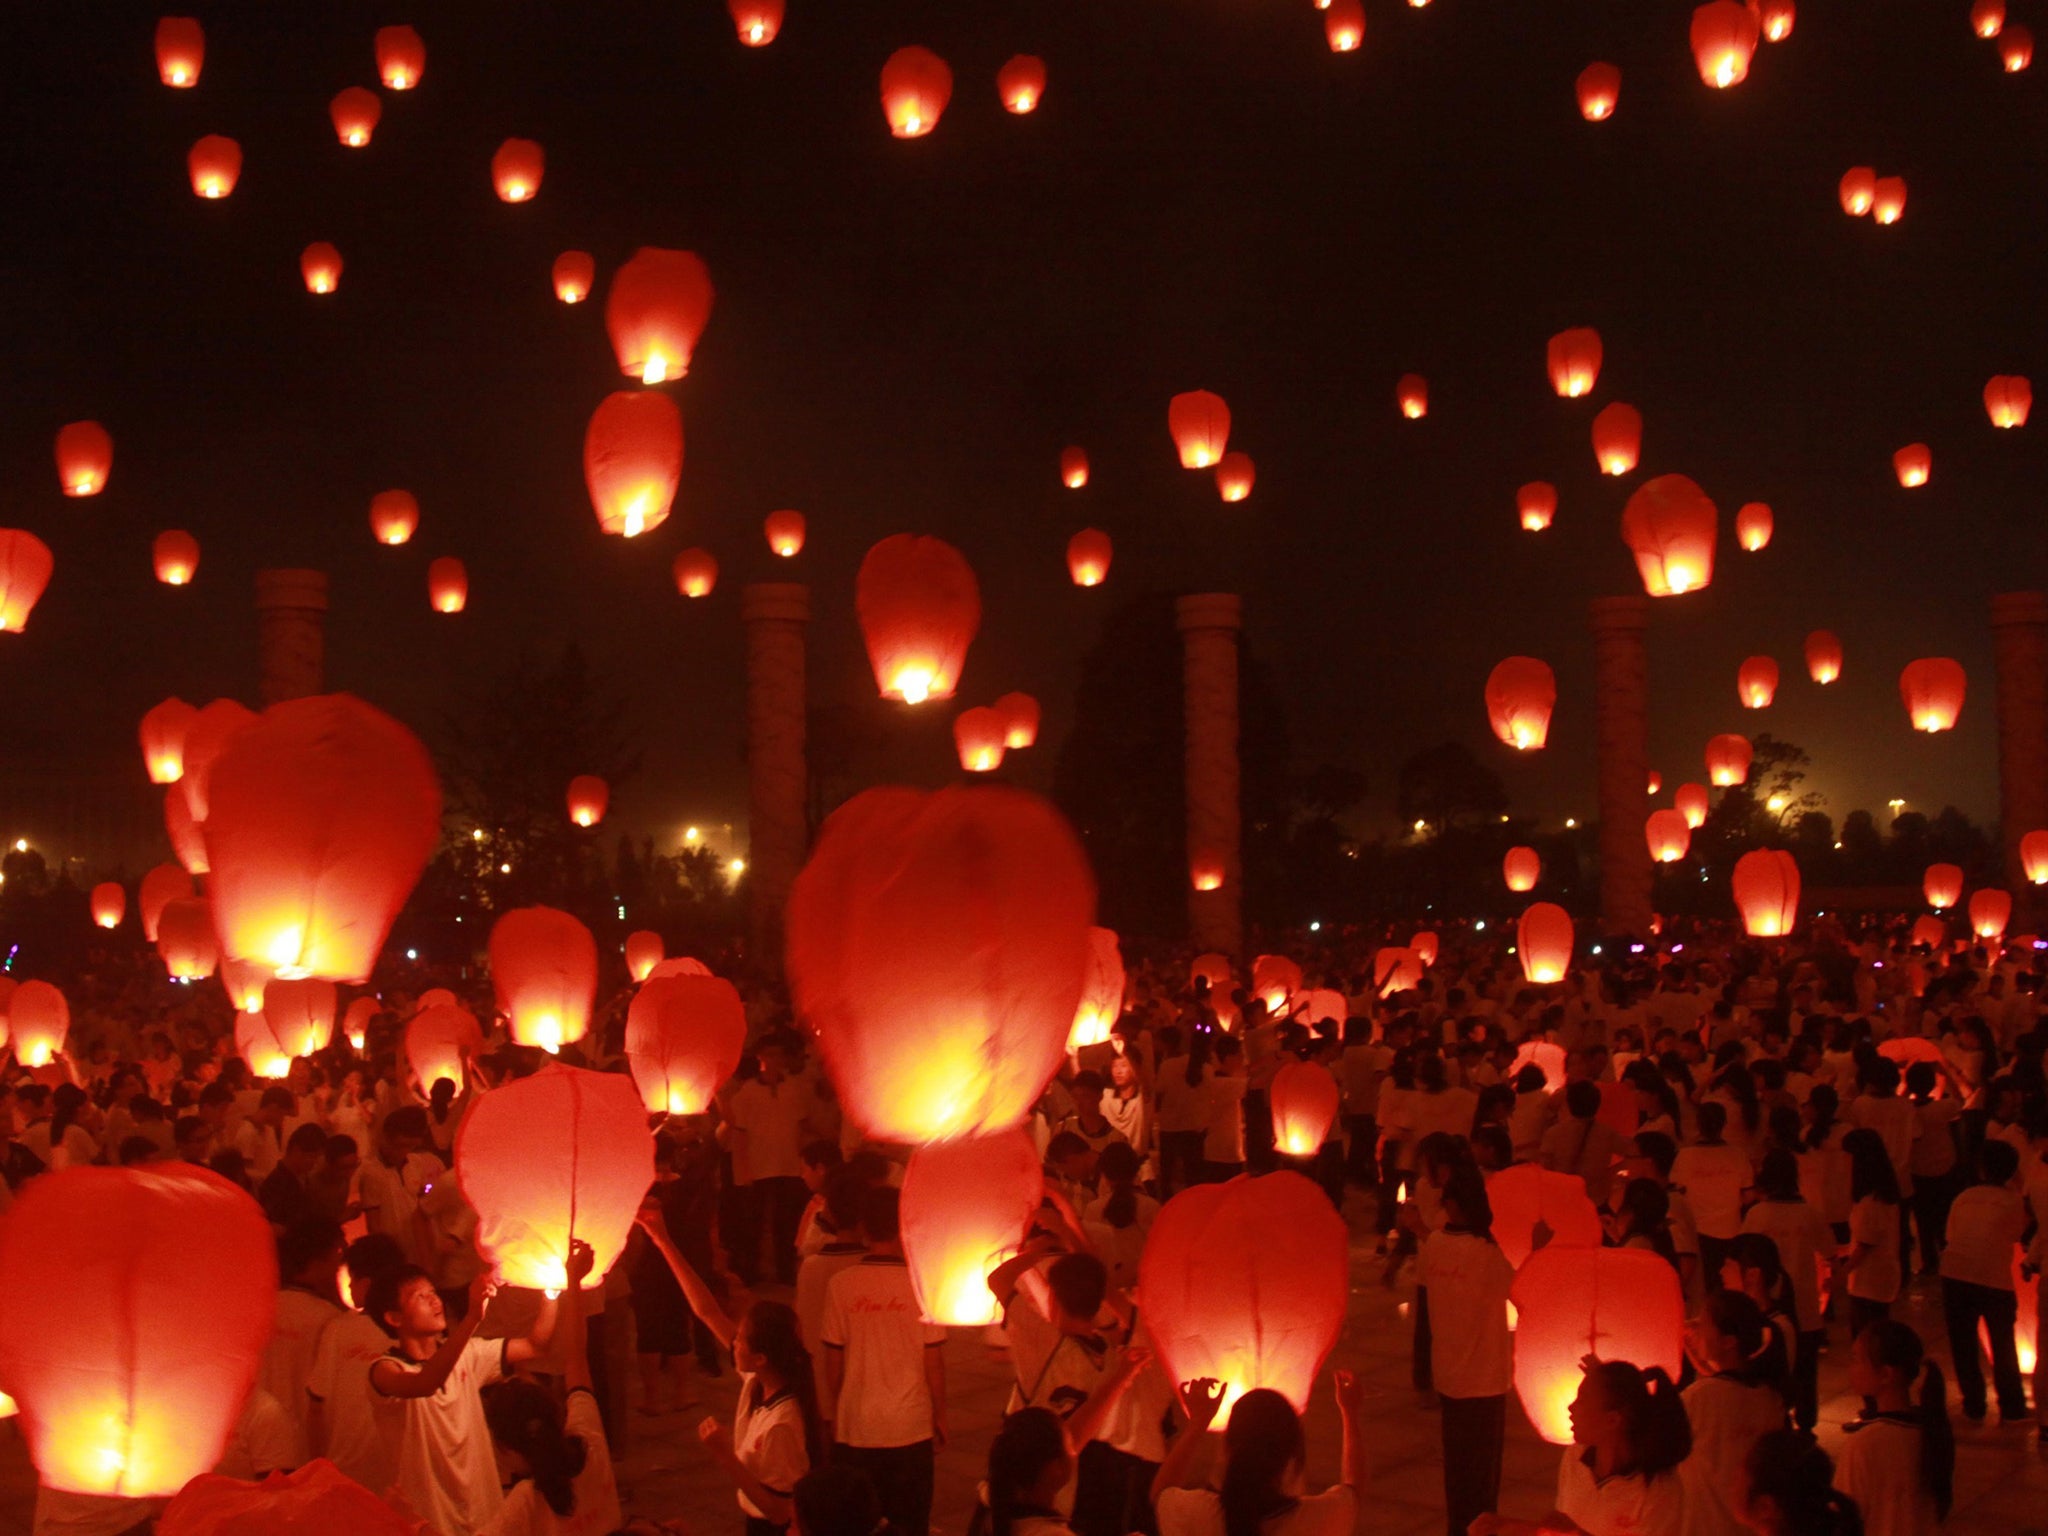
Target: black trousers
x=772 y=1206
x=1421 y=1368
x=1112 y=1492
x=1713 y=1254
x=902 y=1476
x=1932 y=1196
x=1962 y=1305
x=1180 y=1160
x=1863 y=1312
x=1475 y=1432
x=1258 y=1131
x=1806 y=1378
x=1361 y=1158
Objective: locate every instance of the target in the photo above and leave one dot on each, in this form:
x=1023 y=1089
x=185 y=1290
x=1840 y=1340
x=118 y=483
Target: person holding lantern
x=1260 y=1490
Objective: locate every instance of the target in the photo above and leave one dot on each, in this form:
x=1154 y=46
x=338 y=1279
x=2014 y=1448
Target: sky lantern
x=205 y=739
x=785 y=532
x=1206 y=869
x=1520 y=693
x=1756 y=682
x=2007 y=399
x=1932 y=690
x=1275 y=979
x=544 y=970
x=678 y=965
x=1543 y=940
x=1235 y=473
x=1574 y=358
x=1754 y=525
x=355 y=112
x=447 y=585
x=1728 y=759
x=323 y=814
x=655 y=310
x=1766 y=887
x=756 y=21
x=185 y=939
x=300 y=1013
x=394 y=516
x=916 y=85
x=1020 y=716
x=1990 y=910
x=2034 y=856
x=516 y=170
x=244 y=981
x=1858 y=190
x=318 y=1499
x=966 y=1207
x=938 y=944
x=1654 y=782
x=38 y=1019
x=1245 y=1283
x=1411 y=394
x=1823 y=656
x=85 y=457
x=561 y=1157
x=1214 y=969
x=320 y=266
x=1427 y=946
x=1617 y=438
x=1942 y=885
x=1200 y=424
x=257 y=1044
x=181 y=51
x=25 y=566
x=401 y=57
x=1724 y=39
x=696 y=572
x=1088 y=555
x=1987 y=18
x=188 y=837
x=1520 y=868
x=1774 y=18
x=1888 y=199
x=1536 y=503
x=1344 y=25
x=154 y=1289
x=1668 y=836
x=633 y=460
x=1020 y=83
x=1690 y=801
x=1073 y=468
x=919 y=608
x=978 y=736
x=1599 y=87
x=1671 y=526
x=215 y=165
x=1304 y=1099
x=573 y=274
x=2015 y=48
x=588 y=796
x=1928 y=933
x=1525 y=1196
x=644 y=951
x=684 y=1035
x=355 y=1023
x=1571 y=1302
x=1102 y=992
x=109 y=904
x=160 y=887
x=175 y=555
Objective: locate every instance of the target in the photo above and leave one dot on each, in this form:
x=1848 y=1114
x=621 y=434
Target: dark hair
x=1466 y=1189
x=1894 y=1346
x=1119 y=1167
x=187 y=1127
x=65 y=1104
x=880 y=1216
x=837 y=1500
x=278 y=1098
x=1920 y=1080
x=524 y=1417
x=1778 y=1175
x=777 y=1337
x=309 y=1139
x=1530 y=1079
x=1659 y=1433
x=1826 y=1104
x=845 y=1189
x=230 y=1165
x=1785 y=1130
x=1261 y=1442
x=307 y=1239
x=1660 y=1149
x=1997 y=1162
x=1494 y=1139
x=1078 y=1281
x=133 y=1150
x=1879 y=1072
x=1066 y=1144
x=406 y=1120
x=367 y=1258
x=1788 y=1467
x=386 y=1289
x=1713 y=1120
x=1764 y=1361
x=1030 y=1440
x=1755 y=1250
x=1582 y=1099
x=340 y=1146
x=821 y=1154
x=1870 y=1167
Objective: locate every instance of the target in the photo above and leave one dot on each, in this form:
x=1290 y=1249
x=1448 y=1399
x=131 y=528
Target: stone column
x=291 y=634
x=1209 y=623
x=774 y=613
x=1621 y=728
x=2019 y=635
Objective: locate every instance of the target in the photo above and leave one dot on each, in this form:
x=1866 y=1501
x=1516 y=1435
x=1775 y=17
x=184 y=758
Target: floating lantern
x=633 y=460
x=544 y=970
x=394 y=516
x=655 y=311
x=644 y=951
x=1728 y=760
x=1766 y=888
x=256 y=1043
x=2007 y=399
x=1655 y=782
x=160 y=887
x=1102 y=992
x=181 y=51
x=1574 y=358
x=516 y=170
x=25 y=566
x=1020 y=83
x=966 y=1207
x=1019 y=713
x=244 y=981
x=1200 y=424
x=215 y=165
x=1617 y=438
x=2034 y=856
x=205 y=739
x=2026 y=1327
x=588 y=796
x=300 y=1013
x=916 y=85
x=1823 y=656
x=1724 y=39
x=978 y=737
x=185 y=940
x=1691 y=801
x=1206 y=869
x=1304 y=1098
x=1913 y=464
x=1411 y=394
x=1987 y=18
x=1235 y=473
x=1888 y=199
x=1275 y=979
x=1528 y=1196
x=320 y=266
x=401 y=57
x=85 y=457
x=696 y=572
x=355 y=1024
x=1774 y=19
x=1426 y=946
x=756 y=21
x=38 y=1019
x=919 y=608
x=785 y=532
x=1942 y=885
x=1395 y=968
x=1520 y=868
x=1536 y=503
x=1543 y=940
x=447 y=585
x=1671 y=527
x=316 y=1500
x=1929 y=933
x=1756 y=682
x=1599 y=88
x=1073 y=468
x=355 y=112
x=681 y=965
x=573 y=274
x=1520 y=694
x=1088 y=555
x=684 y=1035
x=1990 y=910
x=2015 y=48
x=1932 y=690
x=1858 y=190
x=188 y=837
x=1571 y=1302
x=1344 y=25
x=109 y=904
x=1213 y=969
x=175 y=555
x=1753 y=526
x=1668 y=836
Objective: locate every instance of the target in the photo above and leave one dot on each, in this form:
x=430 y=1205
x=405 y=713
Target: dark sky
x=907 y=333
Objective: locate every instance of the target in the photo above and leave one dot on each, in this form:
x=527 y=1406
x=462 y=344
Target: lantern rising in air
x=573 y=274
x=1088 y=556
x=920 y=608
x=1200 y=424
x=85 y=457
x=978 y=737
x=1987 y=18
x=1411 y=394
x=401 y=57
x=1888 y=199
x=1344 y=25
x=1102 y=992
x=644 y=951
x=1774 y=18
x=1520 y=867
x=1942 y=885
x=1913 y=464
x=1932 y=691
x=1671 y=527
x=696 y=572
x=784 y=531
x=109 y=904
x=1618 y=438
x=163 y=739
x=180 y=51
x=1668 y=836
x=1754 y=526
x=2034 y=856
x=655 y=310
x=1857 y=190
x=1520 y=694
x=1728 y=759
x=2007 y=400
x=448 y=585
x=1020 y=83
x=2015 y=48
x=967 y=1205
x=1543 y=942
x=1724 y=39
x=1020 y=715
x=25 y=566
x=354 y=113
x=633 y=460
x=756 y=21
x=215 y=165
x=516 y=170
x=544 y=970
x=1756 y=682
x=1823 y=656
x=684 y=1035
x=1599 y=89
x=394 y=516
x=175 y=556
x=1574 y=1302
x=320 y=267
x=1574 y=360
x=1692 y=801
x=916 y=85
x=1304 y=1098
x=588 y=798
x=1073 y=468
x=1235 y=473
x=1766 y=887
x=1536 y=505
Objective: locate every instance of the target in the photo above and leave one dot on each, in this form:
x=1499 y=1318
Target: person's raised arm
x=1087 y=1421
x=695 y=1291
x=542 y=1333
x=1005 y=1277
x=393 y=1380
x=1351 y=1409
x=1199 y=1400
x=576 y=1349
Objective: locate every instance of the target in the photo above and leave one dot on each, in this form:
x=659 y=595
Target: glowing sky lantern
x=756 y=21
x=978 y=737
x=244 y=981
x=1344 y=25
x=1932 y=691
x=85 y=457
x=1571 y=1302
x=1574 y=359
x=1823 y=656
x=25 y=566
x=684 y=1035
x=938 y=944
x=1245 y=1283
x=394 y=516
x=1928 y=933
x=1691 y=802
x=1990 y=910
x=323 y=815
x=205 y=739
x=516 y=170
x=655 y=310
x=215 y=165
x=1756 y=682
x=1671 y=527
x=355 y=1023
x=966 y=1207
x=1102 y=992
x=1411 y=394
x=1724 y=39
x=1073 y=468
x=1888 y=199
x=2034 y=856
x=1617 y=438
x=300 y=1013
x=1304 y=1098
x=588 y=797
x=1020 y=83
x=573 y=274
x=1520 y=867
x=155 y=1288
x=2015 y=48
x=919 y=608
x=1987 y=18
x=188 y=837
x=109 y=904
x=1526 y=1196
x=1728 y=759
x=185 y=939
x=1775 y=18
x=1200 y=424
x=1942 y=885
x=1235 y=473
x=1599 y=88
x=181 y=51
x=1754 y=525
x=355 y=112
x=1668 y=836
x=633 y=460
x=1020 y=715
x=448 y=585
x=1214 y=969
x=38 y=1019
x=257 y=1044
x=174 y=554
x=1275 y=979
x=1206 y=869
x=1536 y=505
x=696 y=572
x=784 y=531
x=1088 y=556
x=544 y=970
x=1520 y=694
x=916 y=85
x=401 y=57
x=1858 y=190
x=558 y=1158
x=1543 y=941
x=320 y=266
x=2007 y=400
x=1765 y=884
x=160 y=887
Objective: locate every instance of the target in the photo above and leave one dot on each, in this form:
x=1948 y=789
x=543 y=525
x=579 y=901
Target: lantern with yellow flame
x=966 y=1207
x=544 y=971
x=920 y=608
x=684 y=1035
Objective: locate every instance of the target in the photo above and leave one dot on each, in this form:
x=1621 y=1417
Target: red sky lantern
x=85 y=457
x=937 y=945
x=756 y=21
x=1344 y=25
x=244 y=981
x=1766 y=888
x=644 y=951
x=323 y=815
x=1691 y=801
x=1073 y=468
x=1617 y=438
x=1671 y=526
x=154 y=1291
x=1823 y=656
x=2034 y=857
x=175 y=555
x=300 y=1013
x=1213 y=968
x=160 y=887
x=1088 y=556
x=1426 y=946
x=1543 y=940
x=696 y=572
x=916 y=85
x=1987 y=18
x=1536 y=503
x=1304 y=1097
x=401 y=57
x=2007 y=399
x=1245 y=1283
x=588 y=796
x=1275 y=979
x=1668 y=836
x=1020 y=83
x=2015 y=48
x=38 y=1019
x=448 y=585
x=558 y=1158
x=966 y=1207
x=1102 y=992
x=205 y=739
x=785 y=532
x=684 y=1035
x=573 y=274
x=1655 y=782
x=1942 y=885
x=1858 y=190
x=1520 y=694
x=633 y=460
x=1888 y=199
x=25 y=566
x=1928 y=933
x=1756 y=682
x=1020 y=715
x=355 y=1023
x=181 y=51
x=1990 y=910
x=1612 y=1303
x=316 y=1500
x=1206 y=869
x=394 y=516
x=544 y=971
x=516 y=170
x=1411 y=394
x=185 y=940
x=655 y=310
x=1200 y=424
x=355 y=112
x=1753 y=526
x=1525 y=1196
x=215 y=165
x=257 y=1044
x=680 y=965
x=1599 y=87
x=188 y=837
x=1724 y=39
x=1235 y=473
x=320 y=266
x=1774 y=19
x=109 y=904
x=1728 y=760
x=1574 y=358
x=978 y=737
x=1913 y=464
x=1520 y=868
x=920 y=609
x=1932 y=690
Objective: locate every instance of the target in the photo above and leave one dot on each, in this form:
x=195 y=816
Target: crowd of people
x=1738 y=1110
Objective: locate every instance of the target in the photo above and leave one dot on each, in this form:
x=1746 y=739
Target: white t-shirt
x=1803 y=1239
x=391 y=1196
x=1878 y=1465
x=1895 y=1124
x=596 y=1510
x=264 y=1440
x=814 y=1274
x=1875 y=1222
x=1223 y=1111
x=768 y=1438
x=871 y=1312
x=359 y=1431
x=1625 y=1505
x=1728 y=1417
x=1984 y=1226
x=1199 y=1512
x=288 y=1358
x=446 y=1468
x=772 y=1122
x=1471 y=1350
x=1713 y=1178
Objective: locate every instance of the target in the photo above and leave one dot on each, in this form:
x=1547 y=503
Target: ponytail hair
x=1763 y=1351
x=1466 y=1190
x=524 y=1417
x=1659 y=1431
x=1119 y=1168
x=778 y=1338
x=1894 y=1346
x=1788 y=1467
x=1030 y=1440
x=1262 y=1441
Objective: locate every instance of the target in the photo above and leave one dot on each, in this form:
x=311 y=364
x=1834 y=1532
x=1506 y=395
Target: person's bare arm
x=695 y=1291
x=393 y=1380
x=1086 y=1422
x=542 y=1333
x=1199 y=1400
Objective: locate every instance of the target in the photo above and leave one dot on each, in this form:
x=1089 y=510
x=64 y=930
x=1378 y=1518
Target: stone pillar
x=2019 y=635
x=774 y=614
x=291 y=634
x=1209 y=623
x=1621 y=727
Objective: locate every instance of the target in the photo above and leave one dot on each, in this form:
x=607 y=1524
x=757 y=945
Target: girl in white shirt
x=1260 y=1492
x=1898 y=1462
x=1731 y=1406
x=1872 y=1260
x=1029 y=1467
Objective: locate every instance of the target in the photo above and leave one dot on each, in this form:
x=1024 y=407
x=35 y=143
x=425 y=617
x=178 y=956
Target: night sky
x=908 y=332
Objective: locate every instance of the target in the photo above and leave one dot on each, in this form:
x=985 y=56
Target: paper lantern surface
x=1613 y=1303
x=25 y=566
x=436 y=1041
x=1304 y=1098
x=1728 y=757
x=573 y=274
x=355 y=113
x=916 y=85
x=966 y=1206
x=756 y=21
x=644 y=951
x=109 y=904
x=38 y=1019
x=217 y=724
x=517 y=169
x=1544 y=940
x=1932 y=690
x=1200 y=424
x=684 y=1035
x=215 y=165
x=1520 y=694
x=544 y=970
x=320 y=267
x=1990 y=912
x=920 y=609
x=85 y=457
x=1724 y=39
x=401 y=57
x=300 y=1012
x=1766 y=887
x=1823 y=656
x=655 y=310
x=1574 y=358
x=978 y=738
x=174 y=555
x=1536 y=505
x=633 y=460
x=1599 y=90
x=1534 y=1209
x=185 y=938
x=1756 y=682
x=696 y=572
x=1671 y=526
x=1942 y=885
x=448 y=585
x=313 y=1500
x=1520 y=867
x=1668 y=836
x=394 y=516
x=1020 y=83
x=1102 y=991
x=2008 y=398
x=1617 y=438
x=1088 y=557
x=1073 y=468
x=180 y=51
x=588 y=797
x=163 y=732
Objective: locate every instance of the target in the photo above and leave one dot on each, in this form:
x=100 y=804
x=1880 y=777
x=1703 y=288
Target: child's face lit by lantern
x=419 y=1309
